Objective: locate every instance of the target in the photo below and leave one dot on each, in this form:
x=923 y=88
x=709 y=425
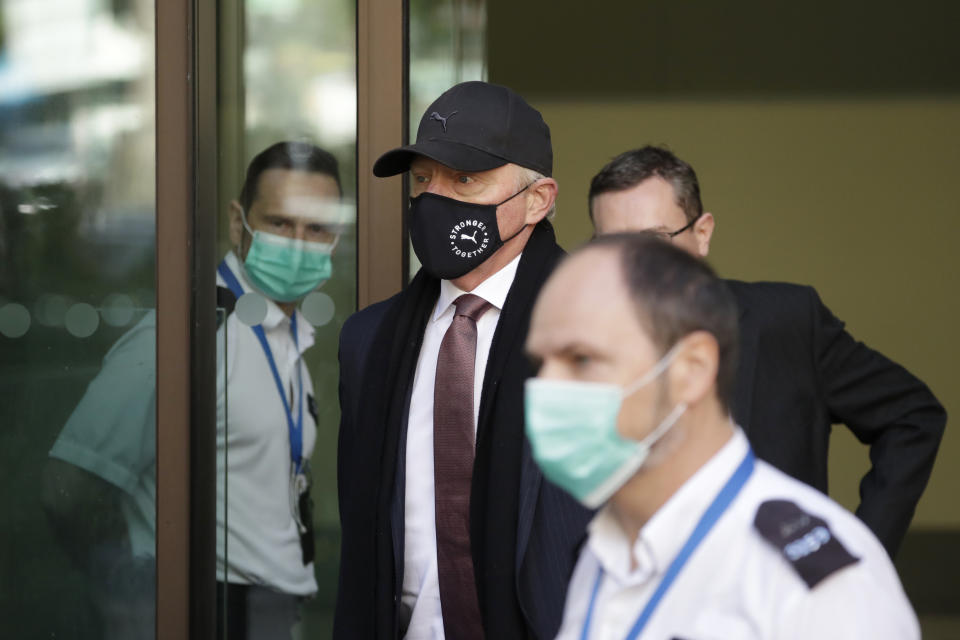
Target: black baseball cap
x=476 y=126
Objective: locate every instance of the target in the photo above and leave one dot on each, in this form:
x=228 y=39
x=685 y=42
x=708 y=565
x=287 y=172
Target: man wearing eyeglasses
x=794 y=354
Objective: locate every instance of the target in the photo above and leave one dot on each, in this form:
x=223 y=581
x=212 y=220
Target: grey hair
x=526 y=177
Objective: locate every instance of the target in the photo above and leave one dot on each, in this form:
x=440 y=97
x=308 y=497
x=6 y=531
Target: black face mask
x=452 y=238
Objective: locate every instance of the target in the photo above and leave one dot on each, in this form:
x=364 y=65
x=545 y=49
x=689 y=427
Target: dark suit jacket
x=800 y=372
x=550 y=524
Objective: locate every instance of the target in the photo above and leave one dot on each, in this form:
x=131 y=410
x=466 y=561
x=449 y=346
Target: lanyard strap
x=707 y=520
x=294 y=429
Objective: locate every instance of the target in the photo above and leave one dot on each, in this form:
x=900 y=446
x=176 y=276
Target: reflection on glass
x=284 y=228
x=447 y=46
x=100 y=484
x=287 y=71
x=76 y=326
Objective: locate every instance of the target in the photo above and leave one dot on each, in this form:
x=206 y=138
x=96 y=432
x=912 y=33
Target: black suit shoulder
x=362 y=324
x=775 y=300
x=768 y=290
x=779 y=319
x=356 y=337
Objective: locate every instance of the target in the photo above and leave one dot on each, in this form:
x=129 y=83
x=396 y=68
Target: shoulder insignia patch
x=803 y=539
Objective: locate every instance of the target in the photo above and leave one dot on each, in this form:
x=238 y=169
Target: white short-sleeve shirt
x=111 y=434
x=253 y=449
x=112 y=430
x=736 y=585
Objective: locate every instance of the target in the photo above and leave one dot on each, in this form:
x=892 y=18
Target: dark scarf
x=387 y=384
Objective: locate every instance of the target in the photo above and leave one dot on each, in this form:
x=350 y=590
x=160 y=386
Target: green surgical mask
x=572 y=428
x=286 y=269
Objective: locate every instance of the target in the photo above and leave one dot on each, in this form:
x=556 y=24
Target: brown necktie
x=453 y=449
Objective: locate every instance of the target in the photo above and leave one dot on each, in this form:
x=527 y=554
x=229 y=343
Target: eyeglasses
x=669 y=235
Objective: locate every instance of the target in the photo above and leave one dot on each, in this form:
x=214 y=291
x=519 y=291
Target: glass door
x=77 y=319
x=447 y=45
x=287 y=236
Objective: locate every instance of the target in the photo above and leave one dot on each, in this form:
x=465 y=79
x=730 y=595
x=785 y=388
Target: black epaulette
x=803 y=539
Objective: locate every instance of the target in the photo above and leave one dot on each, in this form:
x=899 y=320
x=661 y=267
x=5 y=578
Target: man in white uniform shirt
x=696 y=538
x=283 y=227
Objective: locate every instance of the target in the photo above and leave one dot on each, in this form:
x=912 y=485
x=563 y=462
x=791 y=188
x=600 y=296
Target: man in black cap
x=449 y=529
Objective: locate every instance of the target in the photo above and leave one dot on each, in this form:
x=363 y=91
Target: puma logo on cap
x=442 y=120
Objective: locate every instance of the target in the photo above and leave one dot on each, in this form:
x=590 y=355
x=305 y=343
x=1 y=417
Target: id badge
x=301 y=507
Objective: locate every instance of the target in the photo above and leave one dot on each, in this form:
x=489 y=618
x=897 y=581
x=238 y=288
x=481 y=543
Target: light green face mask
x=572 y=428
x=286 y=269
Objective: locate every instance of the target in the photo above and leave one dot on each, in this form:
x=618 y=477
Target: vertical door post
x=381 y=125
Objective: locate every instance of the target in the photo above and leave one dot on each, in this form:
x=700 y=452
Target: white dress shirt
x=736 y=585
x=258 y=541
x=421 y=588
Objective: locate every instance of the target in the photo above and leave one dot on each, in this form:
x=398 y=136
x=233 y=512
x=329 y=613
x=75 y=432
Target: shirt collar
x=275 y=315
x=661 y=539
x=494 y=289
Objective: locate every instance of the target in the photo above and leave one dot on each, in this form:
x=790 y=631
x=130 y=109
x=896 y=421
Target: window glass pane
x=447 y=46
x=77 y=324
x=287 y=112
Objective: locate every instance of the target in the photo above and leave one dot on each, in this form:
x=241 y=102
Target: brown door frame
x=381 y=125
x=186 y=356
x=174 y=238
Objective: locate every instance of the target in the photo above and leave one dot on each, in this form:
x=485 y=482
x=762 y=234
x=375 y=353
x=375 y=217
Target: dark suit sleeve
x=352 y=618
x=347 y=390
x=356 y=338
x=887 y=408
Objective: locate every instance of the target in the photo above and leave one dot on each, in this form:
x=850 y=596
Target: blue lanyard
x=294 y=429
x=707 y=520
